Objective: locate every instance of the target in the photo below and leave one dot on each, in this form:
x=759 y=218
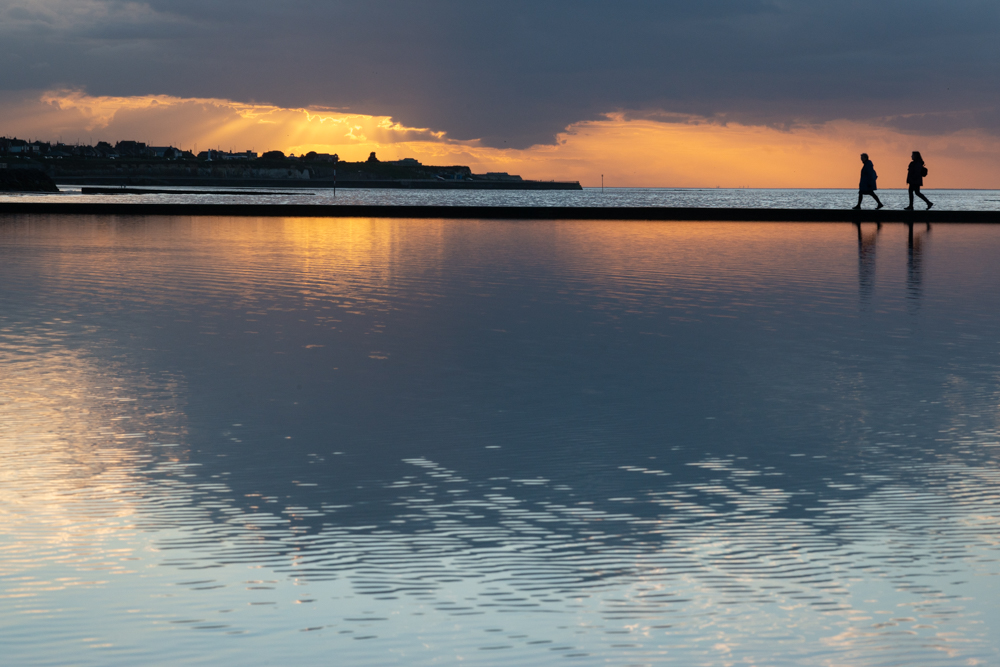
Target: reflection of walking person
x=915 y=178
x=867 y=185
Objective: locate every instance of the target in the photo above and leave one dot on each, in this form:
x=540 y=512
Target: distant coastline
x=135 y=163
x=249 y=182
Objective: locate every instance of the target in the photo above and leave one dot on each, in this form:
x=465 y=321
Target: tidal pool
x=264 y=441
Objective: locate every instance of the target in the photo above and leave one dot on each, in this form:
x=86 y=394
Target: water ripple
x=420 y=442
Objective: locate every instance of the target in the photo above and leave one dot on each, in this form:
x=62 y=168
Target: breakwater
x=154 y=191
x=501 y=212
x=284 y=183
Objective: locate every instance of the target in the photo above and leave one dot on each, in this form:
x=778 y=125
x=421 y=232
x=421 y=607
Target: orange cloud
x=691 y=152
x=666 y=151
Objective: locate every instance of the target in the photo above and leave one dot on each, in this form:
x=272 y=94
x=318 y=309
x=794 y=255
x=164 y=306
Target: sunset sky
x=760 y=93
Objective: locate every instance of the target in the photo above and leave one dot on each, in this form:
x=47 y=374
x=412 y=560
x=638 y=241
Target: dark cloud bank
x=515 y=73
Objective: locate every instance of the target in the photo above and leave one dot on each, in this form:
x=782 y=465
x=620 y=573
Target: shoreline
x=501 y=212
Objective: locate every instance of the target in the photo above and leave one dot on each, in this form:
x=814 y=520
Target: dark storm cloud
x=515 y=73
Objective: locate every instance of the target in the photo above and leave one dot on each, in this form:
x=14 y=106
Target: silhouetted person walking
x=915 y=178
x=867 y=185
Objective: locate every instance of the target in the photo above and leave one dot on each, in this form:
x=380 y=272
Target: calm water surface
x=256 y=441
x=829 y=198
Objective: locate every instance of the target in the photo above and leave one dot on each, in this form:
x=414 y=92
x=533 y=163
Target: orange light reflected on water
x=72 y=437
x=54 y=399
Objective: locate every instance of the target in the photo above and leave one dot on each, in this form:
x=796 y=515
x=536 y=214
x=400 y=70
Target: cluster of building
x=14 y=147
x=222 y=156
x=123 y=149
x=137 y=158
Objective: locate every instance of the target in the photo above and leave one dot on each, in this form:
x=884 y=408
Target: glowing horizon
x=666 y=150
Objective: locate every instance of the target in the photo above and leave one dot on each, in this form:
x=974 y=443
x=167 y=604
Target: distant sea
x=954 y=200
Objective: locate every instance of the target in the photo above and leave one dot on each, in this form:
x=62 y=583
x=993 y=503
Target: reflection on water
x=914 y=260
x=867 y=241
x=866 y=261
x=429 y=441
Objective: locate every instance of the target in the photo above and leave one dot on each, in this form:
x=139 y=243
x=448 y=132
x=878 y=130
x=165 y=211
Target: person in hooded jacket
x=915 y=173
x=867 y=185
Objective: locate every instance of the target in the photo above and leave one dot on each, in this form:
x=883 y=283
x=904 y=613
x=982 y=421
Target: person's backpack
x=923 y=171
